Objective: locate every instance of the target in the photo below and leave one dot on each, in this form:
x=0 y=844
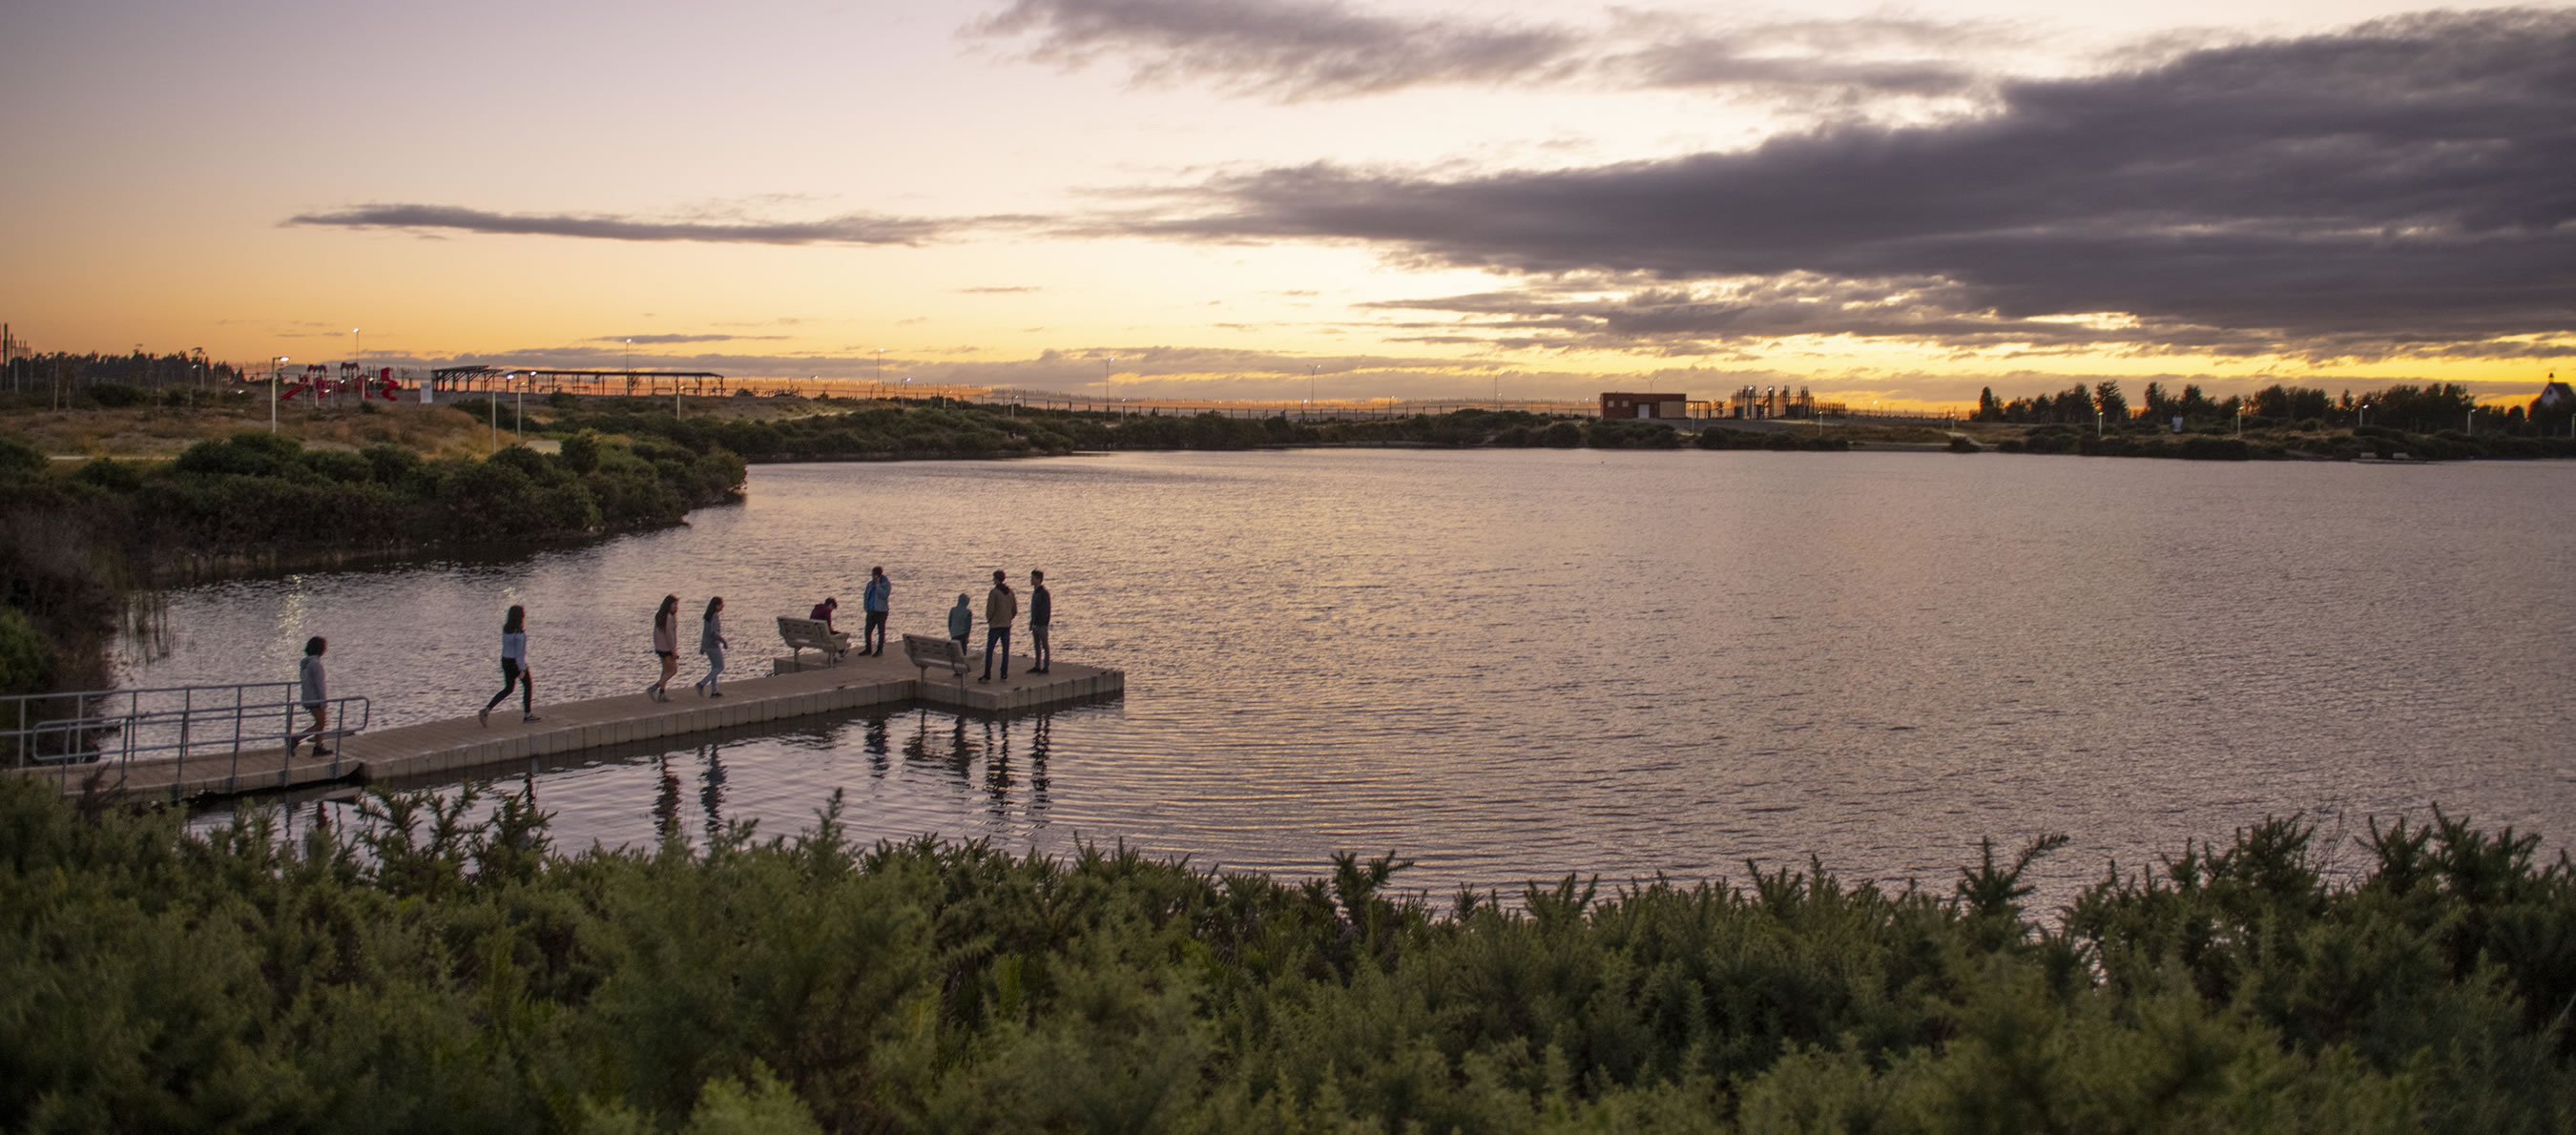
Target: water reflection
x=1513 y=665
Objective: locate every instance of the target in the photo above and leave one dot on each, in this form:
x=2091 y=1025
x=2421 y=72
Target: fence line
x=88 y=729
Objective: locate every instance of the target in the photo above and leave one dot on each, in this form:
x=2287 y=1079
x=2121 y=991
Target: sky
x=1252 y=199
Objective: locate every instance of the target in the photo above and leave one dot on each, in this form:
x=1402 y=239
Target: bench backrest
x=807 y=631
x=927 y=651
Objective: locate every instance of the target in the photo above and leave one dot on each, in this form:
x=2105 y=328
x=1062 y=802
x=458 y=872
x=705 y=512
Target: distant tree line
x=114 y=380
x=914 y=431
x=2413 y=409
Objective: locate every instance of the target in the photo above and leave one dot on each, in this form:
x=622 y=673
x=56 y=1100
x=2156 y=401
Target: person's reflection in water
x=876 y=745
x=997 y=768
x=918 y=747
x=666 y=805
x=961 y=753
x=1040 y=741
x=711 y=797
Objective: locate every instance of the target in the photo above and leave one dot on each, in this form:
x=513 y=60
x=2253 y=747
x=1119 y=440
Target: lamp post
x=2363 y=418
x=272 y=393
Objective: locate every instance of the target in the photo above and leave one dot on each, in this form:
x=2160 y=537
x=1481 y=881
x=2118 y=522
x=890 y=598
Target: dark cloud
x=2409 y=185
x=1292 y=50
x=1870 y=56
x=658 y=340
x=1280 y=48
x=853 y=229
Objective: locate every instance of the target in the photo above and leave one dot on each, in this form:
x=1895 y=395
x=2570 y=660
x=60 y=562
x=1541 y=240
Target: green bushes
x=256 y=492
x=423 y=970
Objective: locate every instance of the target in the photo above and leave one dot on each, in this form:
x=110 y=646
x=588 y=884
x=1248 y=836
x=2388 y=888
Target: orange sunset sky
x=1388 y=199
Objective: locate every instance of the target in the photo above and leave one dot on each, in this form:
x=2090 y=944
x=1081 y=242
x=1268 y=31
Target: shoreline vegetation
x=413 y=967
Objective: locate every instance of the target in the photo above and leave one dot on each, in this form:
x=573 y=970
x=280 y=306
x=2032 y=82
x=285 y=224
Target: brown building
x=1632 y=406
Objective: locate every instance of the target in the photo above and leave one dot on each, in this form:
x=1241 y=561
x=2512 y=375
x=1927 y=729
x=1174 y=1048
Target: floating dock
x=458 y=745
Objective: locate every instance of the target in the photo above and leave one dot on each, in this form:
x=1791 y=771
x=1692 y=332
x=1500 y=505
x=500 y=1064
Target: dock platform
x=458 y=745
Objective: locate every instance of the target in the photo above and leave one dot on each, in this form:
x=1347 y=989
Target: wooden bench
x=809 y=634
x=926 y=651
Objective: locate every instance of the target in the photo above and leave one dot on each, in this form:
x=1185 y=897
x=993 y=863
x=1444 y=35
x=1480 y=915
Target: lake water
x=1511 y=665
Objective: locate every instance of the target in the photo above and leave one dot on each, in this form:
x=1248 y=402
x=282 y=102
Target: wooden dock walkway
x=456 y=745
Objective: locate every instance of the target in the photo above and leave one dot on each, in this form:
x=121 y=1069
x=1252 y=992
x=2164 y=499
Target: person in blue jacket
x=961 y=621
x=879 y=598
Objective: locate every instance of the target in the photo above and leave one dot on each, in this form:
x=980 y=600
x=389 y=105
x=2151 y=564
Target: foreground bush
x=427 y=972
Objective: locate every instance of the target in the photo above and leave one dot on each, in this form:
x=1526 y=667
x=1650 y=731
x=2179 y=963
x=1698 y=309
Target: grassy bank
x=430 y=973
x=86 y=537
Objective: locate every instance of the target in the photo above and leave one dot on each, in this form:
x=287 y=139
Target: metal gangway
x=147 y=740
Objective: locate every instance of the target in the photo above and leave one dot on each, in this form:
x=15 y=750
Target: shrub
x=18 y=459
x=22 y=656
x=115 y=396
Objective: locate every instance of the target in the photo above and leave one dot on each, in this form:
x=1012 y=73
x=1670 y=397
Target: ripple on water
x=1509 y=666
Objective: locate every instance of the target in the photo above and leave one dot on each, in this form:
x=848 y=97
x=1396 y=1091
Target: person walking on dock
x=313 y=688
x=1001 y=605
x=711 y=642
x=514 y=668
x=961 y=622
x=666 y=646
x=880 y=595
x=1041 y=609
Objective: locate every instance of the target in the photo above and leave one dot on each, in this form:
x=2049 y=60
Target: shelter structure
x=1648 y=407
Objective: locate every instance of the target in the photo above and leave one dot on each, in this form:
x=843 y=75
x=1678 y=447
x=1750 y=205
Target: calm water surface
x=1512 y=665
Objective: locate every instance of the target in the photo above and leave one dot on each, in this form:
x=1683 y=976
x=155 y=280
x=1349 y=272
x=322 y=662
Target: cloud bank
x=2409 y=185
x=1298 y=50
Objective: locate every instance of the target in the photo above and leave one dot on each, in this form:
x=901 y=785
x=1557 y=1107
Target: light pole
x=880 y=372
x=2363 y=418
x=272 y=393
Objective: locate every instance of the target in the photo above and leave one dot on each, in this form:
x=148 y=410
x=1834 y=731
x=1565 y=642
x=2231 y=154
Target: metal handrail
x=168 y=723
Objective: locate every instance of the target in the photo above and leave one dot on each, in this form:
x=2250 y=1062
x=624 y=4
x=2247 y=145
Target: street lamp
x=272 y=393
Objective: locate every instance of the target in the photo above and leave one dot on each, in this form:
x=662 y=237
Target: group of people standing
x=1001 y=609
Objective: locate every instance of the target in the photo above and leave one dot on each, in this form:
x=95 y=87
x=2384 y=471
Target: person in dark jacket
x=1001 y=605
x=1041 y=609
